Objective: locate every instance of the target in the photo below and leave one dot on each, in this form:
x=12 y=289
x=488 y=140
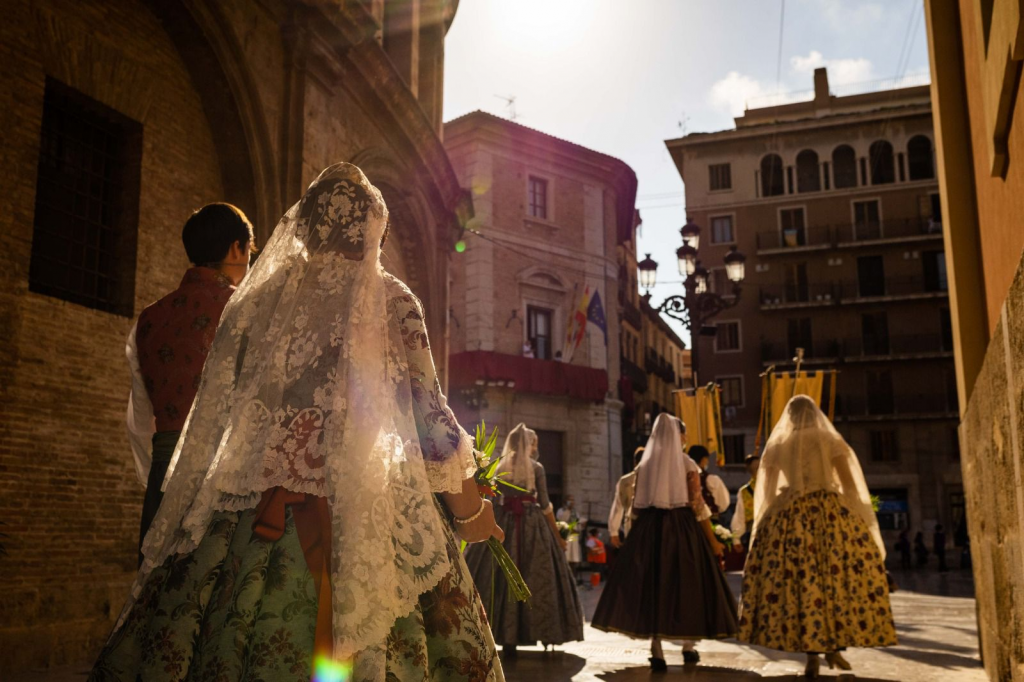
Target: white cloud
x=840 y=71
x=734 y=93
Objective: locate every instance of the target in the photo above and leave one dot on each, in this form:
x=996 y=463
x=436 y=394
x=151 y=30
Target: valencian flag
x=595 y=314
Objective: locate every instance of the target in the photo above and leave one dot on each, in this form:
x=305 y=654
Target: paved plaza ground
x=935 y=620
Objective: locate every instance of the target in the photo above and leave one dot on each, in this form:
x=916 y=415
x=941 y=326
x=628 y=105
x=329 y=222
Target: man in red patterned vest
x=169 y=343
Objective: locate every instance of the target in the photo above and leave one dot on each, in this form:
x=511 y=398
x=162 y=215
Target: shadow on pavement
x=702 y=673
x=557 y=666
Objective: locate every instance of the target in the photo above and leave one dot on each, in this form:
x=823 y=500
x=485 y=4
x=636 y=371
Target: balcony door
x=793 y=227
x=870 y=276
x=867 y=222
x=879 y=388
x=875 y=333
x=538 y=330
x=798 y=335
x=796 y=283
x=934 y=271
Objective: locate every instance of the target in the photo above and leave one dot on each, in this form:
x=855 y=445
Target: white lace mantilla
x=320 y=381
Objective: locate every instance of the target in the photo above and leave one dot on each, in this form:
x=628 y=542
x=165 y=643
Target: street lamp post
x=697 y=304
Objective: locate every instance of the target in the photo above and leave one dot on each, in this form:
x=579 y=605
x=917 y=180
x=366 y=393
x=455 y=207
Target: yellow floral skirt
x=815 y=581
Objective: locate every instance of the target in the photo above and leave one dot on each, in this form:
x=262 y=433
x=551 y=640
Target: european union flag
x=595 y=314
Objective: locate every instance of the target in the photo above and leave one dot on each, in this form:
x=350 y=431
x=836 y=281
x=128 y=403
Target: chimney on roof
x=821 y=94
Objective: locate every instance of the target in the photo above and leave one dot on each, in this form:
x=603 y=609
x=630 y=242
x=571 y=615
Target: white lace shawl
x=309 y=385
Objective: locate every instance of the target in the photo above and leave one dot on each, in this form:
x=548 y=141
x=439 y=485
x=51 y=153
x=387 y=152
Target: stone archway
x=221 y=76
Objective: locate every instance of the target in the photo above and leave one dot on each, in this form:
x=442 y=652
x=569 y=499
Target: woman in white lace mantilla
x=301 y=523
x=815 y=580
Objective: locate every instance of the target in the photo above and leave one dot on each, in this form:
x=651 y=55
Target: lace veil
x=806 y=454
x=661 y=474
x=517 y=457
x=307 y=386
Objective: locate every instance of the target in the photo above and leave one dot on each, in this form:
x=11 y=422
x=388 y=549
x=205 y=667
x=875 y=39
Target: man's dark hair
x=592 y=531
x=210 y=232
x=698 y=452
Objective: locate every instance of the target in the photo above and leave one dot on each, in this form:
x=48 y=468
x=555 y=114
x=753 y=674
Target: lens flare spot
x=460 y=246
x=328 y=670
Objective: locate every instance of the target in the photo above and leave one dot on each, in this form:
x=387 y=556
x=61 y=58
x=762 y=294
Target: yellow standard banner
x=701 y=411
x=784 y=386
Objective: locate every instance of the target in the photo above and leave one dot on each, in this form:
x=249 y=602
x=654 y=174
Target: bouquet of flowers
x=487 y=481
x=724 y=535
x=568 y=530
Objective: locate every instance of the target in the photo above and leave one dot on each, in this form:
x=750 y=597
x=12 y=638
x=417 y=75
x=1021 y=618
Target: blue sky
x=622 y=76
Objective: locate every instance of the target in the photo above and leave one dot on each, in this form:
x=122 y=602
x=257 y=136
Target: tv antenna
x=682 y=123
x=510 y=106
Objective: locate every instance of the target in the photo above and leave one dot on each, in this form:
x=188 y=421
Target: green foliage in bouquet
x=487 y=481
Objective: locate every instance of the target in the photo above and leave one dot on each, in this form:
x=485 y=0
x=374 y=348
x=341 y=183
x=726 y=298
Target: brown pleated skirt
x=665 y=582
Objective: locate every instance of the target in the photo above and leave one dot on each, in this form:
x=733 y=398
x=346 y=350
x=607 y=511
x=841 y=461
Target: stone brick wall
x=211 y=114
x=992 y=442
x=69 y=496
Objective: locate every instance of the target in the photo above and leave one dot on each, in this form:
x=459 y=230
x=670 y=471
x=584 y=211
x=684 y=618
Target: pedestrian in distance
x=903 y=547
x=666 y=582
x=939 y=547
x=815 y=580
x=743 y=518
x=920 y=549
x=712 y=487
x=620 y=519
x=554 y=614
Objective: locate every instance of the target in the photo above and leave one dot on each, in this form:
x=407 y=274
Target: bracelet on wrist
x=474 y=517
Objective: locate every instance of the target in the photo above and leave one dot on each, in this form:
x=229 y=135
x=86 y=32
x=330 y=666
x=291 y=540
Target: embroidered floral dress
x=245 y=607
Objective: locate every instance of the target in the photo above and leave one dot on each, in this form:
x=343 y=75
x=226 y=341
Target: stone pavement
x=935 y=620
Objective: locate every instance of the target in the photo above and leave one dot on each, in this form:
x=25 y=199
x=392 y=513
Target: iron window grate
x=87 y=195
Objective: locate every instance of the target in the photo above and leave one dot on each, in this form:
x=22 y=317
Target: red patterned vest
x=173 y=338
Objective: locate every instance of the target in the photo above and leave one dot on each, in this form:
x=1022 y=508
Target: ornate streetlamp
x=697 y=304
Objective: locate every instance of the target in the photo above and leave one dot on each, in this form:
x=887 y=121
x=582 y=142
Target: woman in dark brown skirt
x=666 y=582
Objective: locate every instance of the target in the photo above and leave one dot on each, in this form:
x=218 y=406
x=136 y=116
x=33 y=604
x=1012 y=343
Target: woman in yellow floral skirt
x=815 y=579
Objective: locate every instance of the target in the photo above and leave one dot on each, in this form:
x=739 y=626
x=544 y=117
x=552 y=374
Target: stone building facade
x=976 y=66
x=654 y=361
x=121 y=118
x=834 y=202
x=547 y=218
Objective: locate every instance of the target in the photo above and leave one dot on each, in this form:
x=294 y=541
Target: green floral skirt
x=240 y=608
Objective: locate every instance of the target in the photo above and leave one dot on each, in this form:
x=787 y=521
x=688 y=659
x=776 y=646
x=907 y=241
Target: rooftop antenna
x=682 y=123
x=510 y=106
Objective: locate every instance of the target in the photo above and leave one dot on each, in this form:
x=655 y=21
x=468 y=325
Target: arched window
x=883 y=171
x=919 y=158
x=844 y=167
x=772 y=184
x=808 y=178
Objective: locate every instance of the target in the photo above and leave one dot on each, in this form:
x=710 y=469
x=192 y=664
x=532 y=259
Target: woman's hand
x=717 y=548
x=562 y=542
x=482 y=527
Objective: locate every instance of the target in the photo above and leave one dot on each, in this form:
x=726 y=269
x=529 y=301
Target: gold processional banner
x=701 y=411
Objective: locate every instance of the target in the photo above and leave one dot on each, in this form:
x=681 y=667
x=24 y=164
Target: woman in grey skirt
x=554 y=614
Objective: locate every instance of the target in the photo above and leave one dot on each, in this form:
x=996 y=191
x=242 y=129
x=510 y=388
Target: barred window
x=884 y=446
x=735 y=448
x=87 y=202
x=728 y=337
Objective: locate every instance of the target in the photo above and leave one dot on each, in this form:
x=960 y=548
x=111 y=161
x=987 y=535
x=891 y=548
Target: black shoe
x=509 y=651
x=658 y=665
x=691 y=657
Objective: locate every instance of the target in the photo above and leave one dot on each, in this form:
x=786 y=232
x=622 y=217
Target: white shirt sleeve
x=719 y=492
x=615 y=515
x=739 y=518
x=139 y=417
